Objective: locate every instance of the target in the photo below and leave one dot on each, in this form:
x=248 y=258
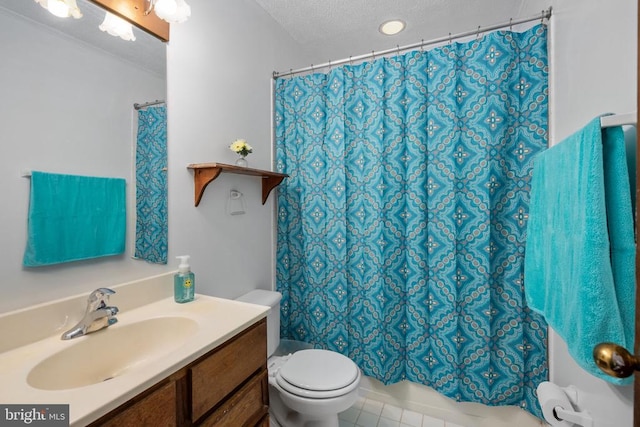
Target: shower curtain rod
x=148 y=104
x=546 y=14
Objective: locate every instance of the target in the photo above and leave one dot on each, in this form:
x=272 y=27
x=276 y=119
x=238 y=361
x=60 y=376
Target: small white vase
x=242 y=162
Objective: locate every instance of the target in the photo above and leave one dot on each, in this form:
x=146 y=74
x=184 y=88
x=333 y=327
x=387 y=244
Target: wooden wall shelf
x=204 y=173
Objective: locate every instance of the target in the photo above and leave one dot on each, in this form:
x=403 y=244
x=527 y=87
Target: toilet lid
x=317 y=372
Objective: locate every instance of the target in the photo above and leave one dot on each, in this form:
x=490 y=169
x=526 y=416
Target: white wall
x=218 y=91
x=593 y=72
x=66 y=108
x=219 y=68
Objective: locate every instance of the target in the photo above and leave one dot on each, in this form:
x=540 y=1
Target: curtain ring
x=312 y=69
x=350 y=61
x=422 y=46
x=329 y=65
x=510 y=24
x=449 y=38
x=398 y=47
x=478 y=33
x=373 y=54
x=542 y=17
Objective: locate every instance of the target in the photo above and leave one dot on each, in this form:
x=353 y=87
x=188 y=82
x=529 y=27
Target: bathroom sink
x=111 y=352
x=94 y=374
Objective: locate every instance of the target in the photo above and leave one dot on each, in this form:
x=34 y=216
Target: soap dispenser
x=184 y=281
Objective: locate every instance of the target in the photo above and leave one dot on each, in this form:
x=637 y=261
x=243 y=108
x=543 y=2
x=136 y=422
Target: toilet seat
x=317 y=374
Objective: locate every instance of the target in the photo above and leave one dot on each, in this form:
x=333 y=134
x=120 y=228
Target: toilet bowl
x=312 y=387
x=307 y=388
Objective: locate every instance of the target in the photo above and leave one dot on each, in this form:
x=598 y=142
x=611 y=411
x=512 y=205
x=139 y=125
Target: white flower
x=241 y=147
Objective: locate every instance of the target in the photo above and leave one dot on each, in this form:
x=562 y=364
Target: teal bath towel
x=73 y=218
x=580 y=254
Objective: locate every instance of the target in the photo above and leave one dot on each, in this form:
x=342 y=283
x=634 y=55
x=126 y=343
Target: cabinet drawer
x=248 y=407
x=157 y=409
x=227 y=368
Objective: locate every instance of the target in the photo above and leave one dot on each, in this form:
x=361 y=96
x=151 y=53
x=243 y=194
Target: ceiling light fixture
x=392 y=27
x=117 y=26
x=61 y=8
x=172 y=11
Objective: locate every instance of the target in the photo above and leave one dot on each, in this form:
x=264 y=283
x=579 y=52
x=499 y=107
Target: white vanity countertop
x=217 y=320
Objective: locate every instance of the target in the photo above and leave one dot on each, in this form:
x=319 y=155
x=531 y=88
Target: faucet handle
x=99 y=298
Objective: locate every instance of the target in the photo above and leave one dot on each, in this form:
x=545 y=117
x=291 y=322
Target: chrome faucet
x=98 y=315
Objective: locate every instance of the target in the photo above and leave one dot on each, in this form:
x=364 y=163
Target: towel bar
x=618 y=120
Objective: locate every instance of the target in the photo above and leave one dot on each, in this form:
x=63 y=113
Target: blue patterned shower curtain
x=401 y=229
x=151 y=185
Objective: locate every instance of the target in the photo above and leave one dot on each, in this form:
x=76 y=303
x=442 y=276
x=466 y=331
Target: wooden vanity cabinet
x=219 y=374
x=154 y=407
x=227 y=387
x=245 y=408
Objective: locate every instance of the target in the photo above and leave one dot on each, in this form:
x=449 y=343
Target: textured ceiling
x=326 y=29
x=337 y=29
x=146 y=52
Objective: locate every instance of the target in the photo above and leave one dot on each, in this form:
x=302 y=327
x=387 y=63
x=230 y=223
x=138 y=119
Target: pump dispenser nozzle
x=184 y=263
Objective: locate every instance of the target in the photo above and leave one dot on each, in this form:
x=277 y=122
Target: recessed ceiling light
x=392 y=27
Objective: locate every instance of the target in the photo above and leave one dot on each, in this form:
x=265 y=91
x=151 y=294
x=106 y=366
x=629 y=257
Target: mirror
x=68 y=91
x=146 y=52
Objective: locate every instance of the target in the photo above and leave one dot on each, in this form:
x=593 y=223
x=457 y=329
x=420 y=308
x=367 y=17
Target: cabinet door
x=157 y=409
x=226 y=369
x=247 y=407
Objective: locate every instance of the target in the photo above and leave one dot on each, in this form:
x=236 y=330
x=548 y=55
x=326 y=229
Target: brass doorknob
x=615 y=360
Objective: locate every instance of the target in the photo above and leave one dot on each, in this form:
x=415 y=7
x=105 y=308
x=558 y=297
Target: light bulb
x=172 y=11
x=183 y=12
x=165 y=7
x=61 y=8
x=117 y=26
x=58 y=8
x=390 y=28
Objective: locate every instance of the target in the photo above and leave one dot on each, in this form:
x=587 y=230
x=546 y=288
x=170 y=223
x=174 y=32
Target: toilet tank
x=270 y=299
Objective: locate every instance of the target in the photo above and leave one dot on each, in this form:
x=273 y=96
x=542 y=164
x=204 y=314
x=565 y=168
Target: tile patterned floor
x=371 y=413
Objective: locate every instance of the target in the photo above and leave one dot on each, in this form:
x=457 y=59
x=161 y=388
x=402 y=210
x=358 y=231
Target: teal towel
x=73 y=218
x=580 y=254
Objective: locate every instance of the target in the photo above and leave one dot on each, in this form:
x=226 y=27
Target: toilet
x=309 y=387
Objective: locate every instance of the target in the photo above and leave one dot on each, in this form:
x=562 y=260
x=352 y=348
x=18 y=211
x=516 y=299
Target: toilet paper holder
x=579 y=418
x=562 y=413
x=235 y=203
